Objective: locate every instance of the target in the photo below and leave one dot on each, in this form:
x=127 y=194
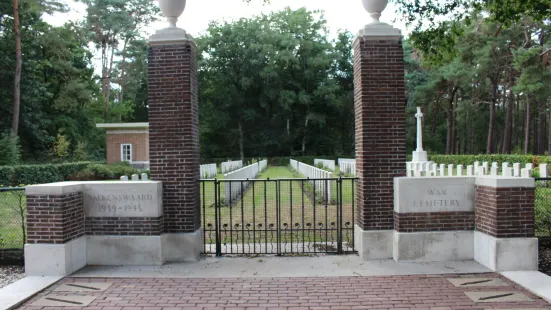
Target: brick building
x=127 y=142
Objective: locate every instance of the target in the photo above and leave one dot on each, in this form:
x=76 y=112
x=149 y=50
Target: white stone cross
x=419 y=117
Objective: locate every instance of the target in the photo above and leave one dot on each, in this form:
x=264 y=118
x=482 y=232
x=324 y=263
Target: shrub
x=10 y=150
x=39 y=174
x=101 y=172
x=80 y=153
x=61 y=147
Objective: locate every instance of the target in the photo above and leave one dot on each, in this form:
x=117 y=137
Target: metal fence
x=543 y=207
x=281 y=217
x=13 y=232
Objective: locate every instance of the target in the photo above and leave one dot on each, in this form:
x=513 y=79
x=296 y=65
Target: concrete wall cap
x=57 y=189
x=380 y=31
x=123 y=125
x=170 y=36
x=505 y=182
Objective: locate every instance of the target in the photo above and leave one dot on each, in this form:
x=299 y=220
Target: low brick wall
x=124 y=226
x=439 y=221
x=55 y=219
x=505 y=212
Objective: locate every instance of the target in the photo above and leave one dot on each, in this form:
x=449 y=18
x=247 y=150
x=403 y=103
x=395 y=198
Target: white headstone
x=124 y=178
x=476 y=166
x=442 y=170
x=494 y=171
x=450 y=170
x=544 y=172
x=516 y=170
x=470 y=171
x=530 y=166
x=495 y=165
x=135 y=177
x=459 y=170
x=144 y=177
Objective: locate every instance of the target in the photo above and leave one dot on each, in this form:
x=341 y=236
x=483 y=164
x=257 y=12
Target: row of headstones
x=432 y=169
x=321 y=187
x=208 y=171
x=135 y=177
x=348 y=167
x=229 y=166
x=234 y=190
x=342 y=161
x=330 y=164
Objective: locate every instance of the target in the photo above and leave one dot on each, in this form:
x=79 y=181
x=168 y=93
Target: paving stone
x=470 y=282
x=83 y=287
x=63 y=301
x=497 y=296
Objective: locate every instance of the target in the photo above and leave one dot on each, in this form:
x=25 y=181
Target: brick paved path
x=394 y=292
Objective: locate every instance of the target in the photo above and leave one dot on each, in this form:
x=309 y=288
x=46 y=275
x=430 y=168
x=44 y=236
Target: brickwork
x=124 y=226
x=505 y=212
x=139 y=141
x=379 y=96
x=437 y=221
x=55 y=219
x=174 y=132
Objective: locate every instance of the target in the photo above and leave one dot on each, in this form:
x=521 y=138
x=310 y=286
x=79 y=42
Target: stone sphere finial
x=172 y=9
x=375 y=8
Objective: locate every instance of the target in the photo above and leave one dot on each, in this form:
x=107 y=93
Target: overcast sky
x=340 y=14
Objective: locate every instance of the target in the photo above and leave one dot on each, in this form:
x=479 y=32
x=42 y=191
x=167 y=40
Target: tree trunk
x=507 y=137
x=516 y=124
x=450 y=113
x=108 y=81
x=542 y=119
x=241 y=152
x=104 y=77
x=549 y=137
x=527 y=129
x=304 y=136
x=490 y=141
x=18 y=68
x=123 y=72
x=434 y=113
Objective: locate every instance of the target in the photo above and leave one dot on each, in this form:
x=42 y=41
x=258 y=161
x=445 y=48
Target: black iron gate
x=280 y=216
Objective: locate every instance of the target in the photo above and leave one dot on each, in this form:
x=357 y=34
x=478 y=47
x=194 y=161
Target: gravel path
x=10 y=274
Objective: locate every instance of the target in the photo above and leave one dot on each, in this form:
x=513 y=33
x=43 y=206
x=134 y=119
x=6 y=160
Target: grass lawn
x=273 y=205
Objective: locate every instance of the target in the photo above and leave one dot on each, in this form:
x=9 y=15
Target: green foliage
x=100 y=172
x=276 y=85
x=61 y=146
x=10 y=150
x=80 y=153
x=39 y=174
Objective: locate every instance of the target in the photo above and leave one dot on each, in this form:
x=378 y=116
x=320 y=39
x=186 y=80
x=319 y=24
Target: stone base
x=124 y=250
x=183 y=247
x=373 y=244
x=420 y=157
x=506 y=254
x=433 y=246
x=55 y=259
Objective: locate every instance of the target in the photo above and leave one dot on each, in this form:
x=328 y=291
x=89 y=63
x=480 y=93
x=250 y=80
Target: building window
x=126 y=152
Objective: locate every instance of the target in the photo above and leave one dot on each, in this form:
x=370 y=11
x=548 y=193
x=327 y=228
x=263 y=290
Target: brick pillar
x=379 y=95
x=504 y=223
x=174 y=136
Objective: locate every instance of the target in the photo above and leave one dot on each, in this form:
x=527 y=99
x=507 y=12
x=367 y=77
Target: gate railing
x=278 y=216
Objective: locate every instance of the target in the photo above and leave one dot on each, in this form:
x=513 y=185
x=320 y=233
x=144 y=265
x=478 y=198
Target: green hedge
x=39 y=174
